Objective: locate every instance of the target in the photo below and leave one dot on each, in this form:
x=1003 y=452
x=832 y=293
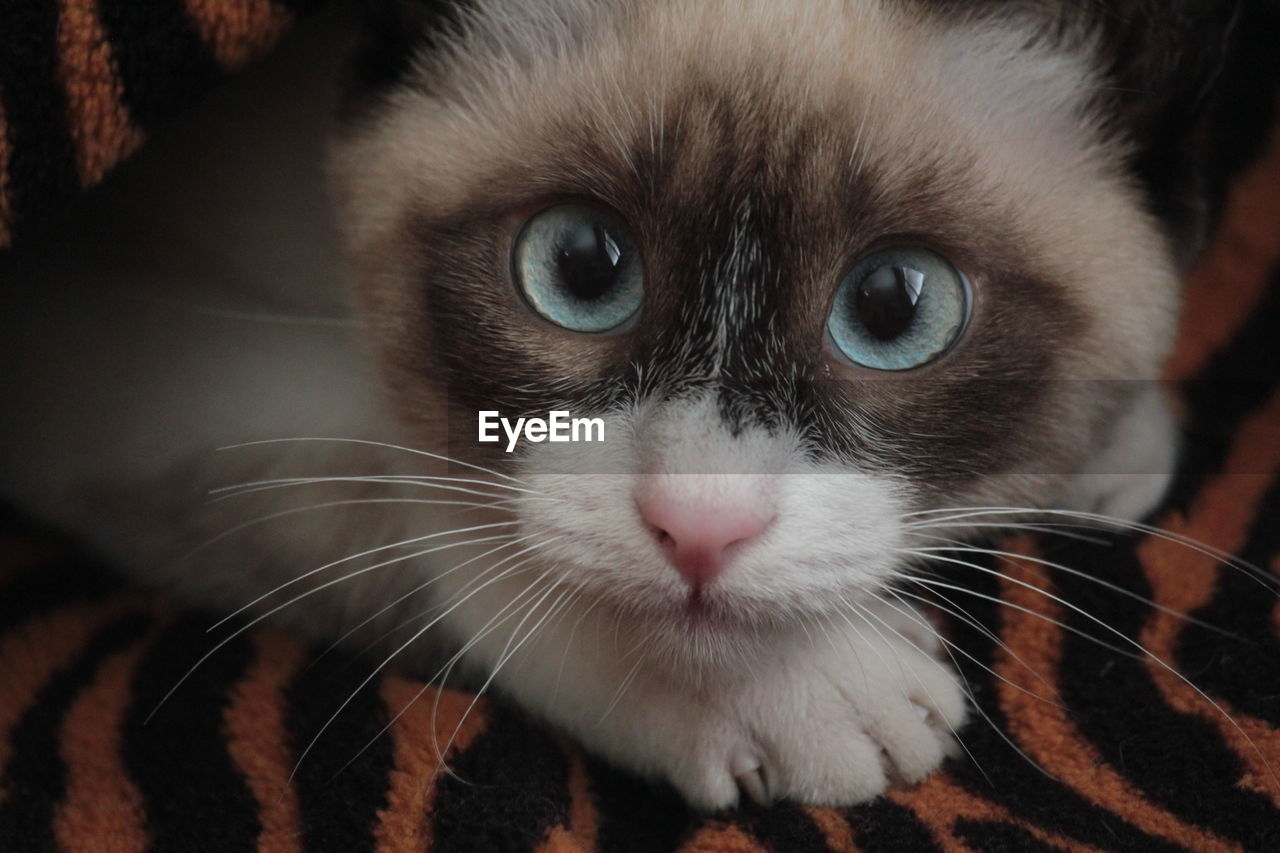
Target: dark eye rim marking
x=956 y=261
x=529 y=215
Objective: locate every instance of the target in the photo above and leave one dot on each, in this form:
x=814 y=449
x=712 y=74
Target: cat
x=842 y=282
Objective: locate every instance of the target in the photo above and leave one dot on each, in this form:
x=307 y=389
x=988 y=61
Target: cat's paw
x=835 y=726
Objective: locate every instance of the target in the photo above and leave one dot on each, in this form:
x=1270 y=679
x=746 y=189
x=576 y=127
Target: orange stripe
x=939 y=802
x=834 y=828
x=1233 y=275
x=34 y=651
x=562 y=840
x=1185 y=580
x=6 y=211
x=718 y=837
x=580 y=834
x=102 y=810
x=101 y=127
x=238 y=31
x=1045 y=732
x=405 y=822
x=257 y=740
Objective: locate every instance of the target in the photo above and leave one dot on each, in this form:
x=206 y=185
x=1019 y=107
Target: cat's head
x=820 y=267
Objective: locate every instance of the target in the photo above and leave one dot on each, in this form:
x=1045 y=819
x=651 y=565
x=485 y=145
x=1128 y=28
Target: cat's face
x=818 y=266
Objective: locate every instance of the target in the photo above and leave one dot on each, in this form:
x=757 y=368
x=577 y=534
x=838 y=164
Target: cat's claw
x=750 y=777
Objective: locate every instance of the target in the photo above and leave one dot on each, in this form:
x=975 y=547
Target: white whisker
x=974 y=623
x=387 y=660
x=447 y=668
x=509 y=651
x=973 y=702
x=401 y=544
x=1259 y=574
x=420 y=587
x=934 y=582
x=450 y=484
x=1061 y=529
x=368 y=443
x=959 y=547
x=629 y=678
x=333 y=504
x=290 y=602
x=1142 y=649
x=867 y=612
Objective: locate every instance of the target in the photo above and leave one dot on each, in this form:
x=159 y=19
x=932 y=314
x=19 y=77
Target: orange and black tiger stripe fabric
x=83 y=81
x=1075 y=747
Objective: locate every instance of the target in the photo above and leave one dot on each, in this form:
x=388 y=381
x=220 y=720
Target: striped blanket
x=1081 y=742
x=83 y=81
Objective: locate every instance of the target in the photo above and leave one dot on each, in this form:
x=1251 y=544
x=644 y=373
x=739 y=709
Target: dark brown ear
x=1164 y=64
x=1243 y=111
x=1190 y=84
x=1187 y=82
x=393 y=32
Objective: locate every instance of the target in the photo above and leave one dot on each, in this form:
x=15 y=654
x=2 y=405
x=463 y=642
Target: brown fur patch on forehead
x=805 y=133
x=916 y=95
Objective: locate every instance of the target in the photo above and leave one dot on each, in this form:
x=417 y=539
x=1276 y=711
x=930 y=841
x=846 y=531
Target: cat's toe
x=920 y=732
x=913 y=743
x=831 y=762
x=719 y=767
x=710 y=791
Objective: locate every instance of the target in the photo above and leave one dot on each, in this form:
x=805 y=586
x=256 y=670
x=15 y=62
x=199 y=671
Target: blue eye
x=577 y=267
x=898 y=309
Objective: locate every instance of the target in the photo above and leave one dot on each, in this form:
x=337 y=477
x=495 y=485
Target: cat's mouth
x=701 y=612
x=707 y=610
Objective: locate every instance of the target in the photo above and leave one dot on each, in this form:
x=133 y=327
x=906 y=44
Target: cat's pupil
x=886 y=300
x=589 y=261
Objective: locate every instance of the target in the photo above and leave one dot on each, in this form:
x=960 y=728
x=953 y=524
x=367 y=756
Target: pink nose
x=696 y=531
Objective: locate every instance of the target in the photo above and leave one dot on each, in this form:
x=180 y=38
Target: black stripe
x=297 y=6
x=883 y=826
x=636 y=816
x=1246 y=675
x=163 y=62
x=1178 y=760
x=339 y=804
x=42 y=158
x=195 y=798
x=783 y=828
x=991 y=837
x=1246 y=100
x=510 y=790
x=1236 y=382
x=36 y=778
x=999 y=773
x=68 y=580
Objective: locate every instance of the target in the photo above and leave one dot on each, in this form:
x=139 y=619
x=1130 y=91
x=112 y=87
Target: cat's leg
x=832 y=717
